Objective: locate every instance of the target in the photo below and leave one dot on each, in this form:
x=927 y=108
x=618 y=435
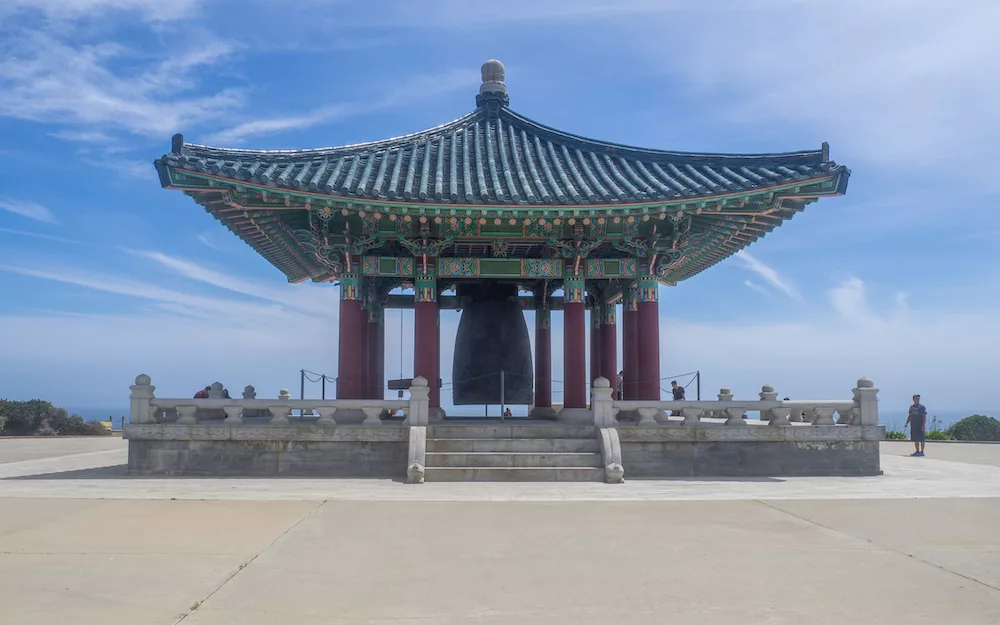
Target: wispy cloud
x=412 y=89
x=756 y=287
x=149 y=10
x=46 y=79
x=82 y=136
x=31 y=210
x=768 y=274
x=36 y=235
x=299 y=297
x=207 y=243
x=850 y=300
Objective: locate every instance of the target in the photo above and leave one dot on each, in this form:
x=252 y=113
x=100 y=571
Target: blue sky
x=103 y=274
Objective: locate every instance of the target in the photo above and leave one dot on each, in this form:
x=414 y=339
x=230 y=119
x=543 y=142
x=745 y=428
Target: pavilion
x=492 y=205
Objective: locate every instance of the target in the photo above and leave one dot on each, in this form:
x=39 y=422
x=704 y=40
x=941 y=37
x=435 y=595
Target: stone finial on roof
x=493 y=88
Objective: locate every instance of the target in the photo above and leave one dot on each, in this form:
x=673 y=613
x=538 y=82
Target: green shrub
x=938 y=435
x=41 y=418
x=895 y=436
x=976 y=428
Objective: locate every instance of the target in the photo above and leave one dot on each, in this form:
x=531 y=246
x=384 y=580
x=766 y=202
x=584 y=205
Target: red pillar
x=365 y=353
x=595 y=344
x=350 y=354
x=609 y=344
x=630 y=342
x=649 y=340
x=426 y=351
x=374 y=338
x=574 y=345
x=543 y=359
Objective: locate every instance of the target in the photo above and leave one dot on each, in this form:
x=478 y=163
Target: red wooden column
x=595 y=344
x=574 y=345
x=365 y=352
x=350 y=354
x=609 y=344
x=630 y=341
x=649 y=340
x=426 y=354
x=543 y=364
x=374 y=338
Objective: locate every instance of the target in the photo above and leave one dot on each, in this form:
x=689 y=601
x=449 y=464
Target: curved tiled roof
x=494 y=156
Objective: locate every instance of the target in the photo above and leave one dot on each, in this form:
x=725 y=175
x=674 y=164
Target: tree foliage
x=976 y=428
x=37 y=417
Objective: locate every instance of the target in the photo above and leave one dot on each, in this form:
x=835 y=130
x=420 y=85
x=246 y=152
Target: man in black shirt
x=678 y=392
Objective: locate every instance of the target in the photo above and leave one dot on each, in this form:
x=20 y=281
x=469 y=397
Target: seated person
x=203 y=393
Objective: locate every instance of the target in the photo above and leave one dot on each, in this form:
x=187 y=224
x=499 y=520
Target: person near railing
x=678 y=393
x=916 y=418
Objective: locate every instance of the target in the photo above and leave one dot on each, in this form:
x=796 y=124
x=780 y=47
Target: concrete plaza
x=80 y=541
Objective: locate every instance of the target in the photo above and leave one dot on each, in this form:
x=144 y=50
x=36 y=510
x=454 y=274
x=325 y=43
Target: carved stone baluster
x=735 y=416
x=234 y=415
x=692 y=416
x=188 y=415
x=824 y=415
x=326 y=415
x=846 y=416
x=647 y=416
x=279 y=415
x=372 y=415
x=779 y=416
x=796 y=415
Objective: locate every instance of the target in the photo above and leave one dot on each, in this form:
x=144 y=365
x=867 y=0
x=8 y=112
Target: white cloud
x=31 y=210
x=756 y=287
x=768 y=273
x=897 y=82
x=45 y=79
x=37 y=235
x=413 y=89
x=82 y=136
x=850 y=300
x=150 y=10
x=316 y=299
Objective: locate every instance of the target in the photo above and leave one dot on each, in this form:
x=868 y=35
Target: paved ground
x=81 y=543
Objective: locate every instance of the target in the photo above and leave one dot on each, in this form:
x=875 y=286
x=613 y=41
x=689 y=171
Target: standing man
x=917 y=420
x=620 y=385
x=678 y=392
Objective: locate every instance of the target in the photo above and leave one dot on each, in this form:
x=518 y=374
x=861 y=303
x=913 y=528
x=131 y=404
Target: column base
x=581 y=416
x=547 y=413
x=436 y=414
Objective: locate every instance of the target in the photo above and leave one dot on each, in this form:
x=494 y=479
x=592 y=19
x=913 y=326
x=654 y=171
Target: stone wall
x=750 y=451
x=291 y=451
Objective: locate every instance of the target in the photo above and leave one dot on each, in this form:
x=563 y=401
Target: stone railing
x=862 y=410
x=148 y=409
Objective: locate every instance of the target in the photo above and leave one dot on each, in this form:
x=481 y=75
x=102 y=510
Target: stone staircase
x=513 y=452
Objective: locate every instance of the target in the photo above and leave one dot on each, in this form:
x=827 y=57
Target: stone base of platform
x=502 y=451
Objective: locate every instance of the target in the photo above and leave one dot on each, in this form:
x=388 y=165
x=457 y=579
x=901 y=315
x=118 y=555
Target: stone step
x=513 y=459
x=525 y=445
x=513 y=474
x=511 y=431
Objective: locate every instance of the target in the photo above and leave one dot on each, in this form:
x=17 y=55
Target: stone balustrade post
x=724 y=395
x=602 y=403
x=420 y=401
x=249 y=392
x=866 y=395
x=767 y=393
x=779 y=416
x=142 y=392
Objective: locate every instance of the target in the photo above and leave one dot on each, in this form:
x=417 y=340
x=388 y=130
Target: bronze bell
x=492 y=338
